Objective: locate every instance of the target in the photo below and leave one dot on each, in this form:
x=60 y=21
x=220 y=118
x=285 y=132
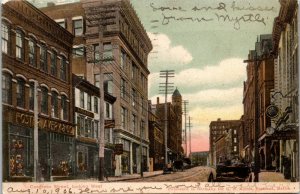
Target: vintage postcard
x=149 y=96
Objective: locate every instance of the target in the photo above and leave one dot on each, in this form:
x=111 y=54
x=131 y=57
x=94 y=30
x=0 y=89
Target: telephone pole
x=36 y=133
x=167 y=87
x=185 y=103
x=190 y=138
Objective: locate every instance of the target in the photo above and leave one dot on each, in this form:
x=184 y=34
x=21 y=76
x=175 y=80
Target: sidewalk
x=271 y=176
x=134 y=176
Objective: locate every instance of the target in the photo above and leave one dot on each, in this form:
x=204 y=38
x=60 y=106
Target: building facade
x=285 y=144
x=229 y=129
x=174 y=119
x=36 y=58
x=110 y=39
x=200 y=158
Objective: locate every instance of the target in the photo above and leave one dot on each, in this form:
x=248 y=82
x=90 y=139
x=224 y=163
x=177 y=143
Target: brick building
x=121 y=50
x=35 y=49
x=219 y=128
x=174 y=117
x=200 y=158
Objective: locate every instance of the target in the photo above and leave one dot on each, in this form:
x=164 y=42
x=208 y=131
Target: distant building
x=219 y=128
x=200 y=158
x=174 y=117
x=36 y=49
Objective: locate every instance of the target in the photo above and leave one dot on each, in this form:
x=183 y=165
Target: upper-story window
x=53 y=63
x=78 y=51
x=133 y=71
x=44 y=101
x=95 y=104
x=89 y=102
x=43 y=58
x=133 y=123
x=64 y=107
x=6 y=88
x=78 y=27
x=5 y=38
x=123 y=116
x=96 y=52
x=32 y=55
x=123 y=88
x=107 y=52
x=81 y=99
x=54 y=104
x=31 y=96
x=108 y=83
x=63 y=68
x=19 y=45
x=123 y=59
x=61 y=22
x=20 y=93
x=108 y=110
x=97 y=80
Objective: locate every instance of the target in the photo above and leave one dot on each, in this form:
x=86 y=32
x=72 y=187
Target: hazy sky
x=206 y=52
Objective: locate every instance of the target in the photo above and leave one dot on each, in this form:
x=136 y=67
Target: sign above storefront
x=85 y=112
x=44 y=123
x=285 y=135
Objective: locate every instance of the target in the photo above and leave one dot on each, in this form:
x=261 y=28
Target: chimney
x=157 y=100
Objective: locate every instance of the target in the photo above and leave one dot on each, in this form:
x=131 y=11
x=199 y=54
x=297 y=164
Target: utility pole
x=190 y=137
x=167 y=88
x=141 y=152
x=185 y=103
x=36 y=133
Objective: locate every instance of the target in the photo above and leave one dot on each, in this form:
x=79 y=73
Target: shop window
x=108 y=83
x=54 y=104
x=89 y=102
x=82 y=161
x=81 y=99
x=5 y=38
x=95 y=104
x=19 y=45
x=20 y=93
x=32 y=55
x=78 y=27
x=64 y=107
x=53 y=63
x=31 y=95
x=6 y=88
x=43 y=58
x=44 y=101
x=63 y=68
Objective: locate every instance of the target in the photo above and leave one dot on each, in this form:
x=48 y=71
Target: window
x=234 y=140
x=64 y=107
x=234 y=148
x=43 y=58
x=5 y=38
x=19 y=45
x=78 y=27
x=96 y=52
x=88 y=128
x=7 y=88
x=81 y=99
x=31 y=95
x=107 y=134
x=123 y=59
x=234 y=131
x=96 y=127
x=123 y=117
x=63 y=68
x=61 y=22
x=133 y=71
x=54 y=104
x=78 y=51
x=80 y=125
x=53 y=64
x=123 y=89
x=95 y=104
x=97 y=80
x=143 y=135
x=20 y=93
x=32 y=55
x=133 y=124
x=107 y=52
x=44 y=102
x=108 y=83
x=89 y=102
x=108 y=110
x=134 y=97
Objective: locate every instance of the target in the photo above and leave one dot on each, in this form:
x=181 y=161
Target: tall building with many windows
x=110 y=39
x=36 y=51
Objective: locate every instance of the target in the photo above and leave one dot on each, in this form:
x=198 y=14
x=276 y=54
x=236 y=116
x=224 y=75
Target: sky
x=206 y=52
x=205 y=42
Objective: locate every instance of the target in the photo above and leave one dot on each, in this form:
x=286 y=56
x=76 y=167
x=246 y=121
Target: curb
x=133 y=178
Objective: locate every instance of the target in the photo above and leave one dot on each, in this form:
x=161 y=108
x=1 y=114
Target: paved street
x=196 y=174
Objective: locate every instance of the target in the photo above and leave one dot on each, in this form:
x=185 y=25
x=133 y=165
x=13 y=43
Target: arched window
x=64 y=107
x=44 y=102
x=32 y=54
x=53 y=64
x=54 y=104
x=20 y=92
x=7 y=88
x=19 y=45
x=43 y=58
x=5 y=38
x=63 y=68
